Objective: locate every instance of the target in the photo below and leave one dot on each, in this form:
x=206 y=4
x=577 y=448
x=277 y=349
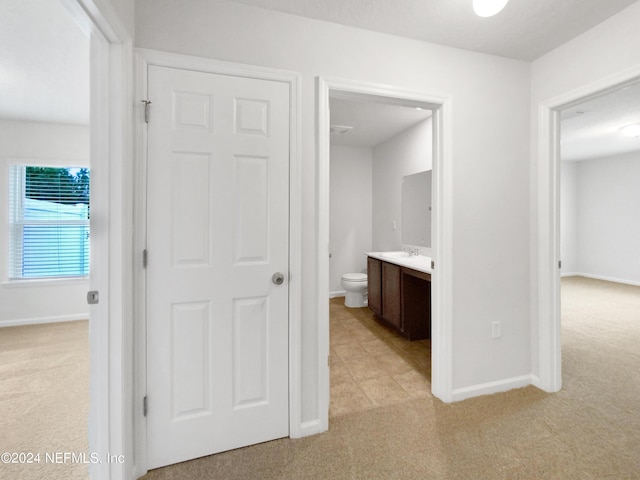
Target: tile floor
x=370 y=364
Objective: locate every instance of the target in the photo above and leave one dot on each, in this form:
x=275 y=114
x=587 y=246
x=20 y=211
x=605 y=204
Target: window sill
x=45 y=282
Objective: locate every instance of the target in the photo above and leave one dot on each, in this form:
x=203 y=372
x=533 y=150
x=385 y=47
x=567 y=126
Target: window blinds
x=48 y=222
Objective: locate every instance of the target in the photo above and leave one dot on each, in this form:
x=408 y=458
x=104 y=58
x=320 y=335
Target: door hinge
x=145 y=406
x=559 y=263
x=147 y=103
x=145 y=258
x=433 y=264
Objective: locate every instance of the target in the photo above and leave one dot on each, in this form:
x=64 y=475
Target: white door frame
x=144 y=58
x=547 y=271
x=111 y=158
x=442 y=284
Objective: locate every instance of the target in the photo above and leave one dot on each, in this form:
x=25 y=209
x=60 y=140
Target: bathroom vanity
x=399 y=288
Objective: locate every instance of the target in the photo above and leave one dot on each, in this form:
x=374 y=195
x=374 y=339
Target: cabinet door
x=374 y=285
x=391 y=294
x=416 y=304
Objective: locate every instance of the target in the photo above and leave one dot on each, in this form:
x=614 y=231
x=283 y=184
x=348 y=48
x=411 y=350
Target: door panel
x=251 y=215
x=217 y=230
x=250 y=376
x=189 y=354
x=190 y=209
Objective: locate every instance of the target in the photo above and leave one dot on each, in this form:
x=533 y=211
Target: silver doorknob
x=277 y=278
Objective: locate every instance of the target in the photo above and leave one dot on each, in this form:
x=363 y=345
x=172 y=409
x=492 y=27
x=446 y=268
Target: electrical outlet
x=495 y=330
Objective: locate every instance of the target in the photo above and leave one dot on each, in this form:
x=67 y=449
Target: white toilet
x=355 y=284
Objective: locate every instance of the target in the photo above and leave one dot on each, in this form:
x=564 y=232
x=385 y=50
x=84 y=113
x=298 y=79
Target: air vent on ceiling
x=340 y=129
x=572 y=113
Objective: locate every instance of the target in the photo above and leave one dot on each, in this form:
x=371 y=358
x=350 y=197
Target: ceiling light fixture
x=631 y=130
x=488 y=8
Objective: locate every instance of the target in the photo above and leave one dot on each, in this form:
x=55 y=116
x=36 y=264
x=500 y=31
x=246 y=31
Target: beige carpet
x=589 y=430
x=44 y=397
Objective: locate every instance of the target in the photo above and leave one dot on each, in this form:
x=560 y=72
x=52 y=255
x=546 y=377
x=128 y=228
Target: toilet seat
x=355 y=277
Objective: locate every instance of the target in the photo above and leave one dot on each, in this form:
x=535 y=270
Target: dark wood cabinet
x=400 y=297
x=374 y=285
x=416 y=304
x=391 y=294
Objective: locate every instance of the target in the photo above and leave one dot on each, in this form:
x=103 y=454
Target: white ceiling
x=44 y=68
x=591 y=129
x=373 y=123
x=525 y=29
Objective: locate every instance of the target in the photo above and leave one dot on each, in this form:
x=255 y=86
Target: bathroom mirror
x=416 y=209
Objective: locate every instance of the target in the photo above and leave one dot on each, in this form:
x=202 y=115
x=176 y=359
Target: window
x=48 y=222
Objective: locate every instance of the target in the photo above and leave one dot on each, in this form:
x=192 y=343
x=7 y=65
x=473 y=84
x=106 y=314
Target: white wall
x=124 y=11
x=569 y=218
x=366 y=197
x=608 y=50
x=608 y=217
x=607 y=209
x=350 y=212
x=48 y=144
x=409 y=152
x=490 y=160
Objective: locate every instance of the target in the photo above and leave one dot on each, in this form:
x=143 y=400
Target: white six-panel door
x=217 y=231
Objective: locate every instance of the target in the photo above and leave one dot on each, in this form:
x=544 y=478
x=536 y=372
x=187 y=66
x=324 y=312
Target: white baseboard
x=606 y=279
x=341 y=293
x=36 y=321
x=491 y=387
x=535 y=381
x=311 y=427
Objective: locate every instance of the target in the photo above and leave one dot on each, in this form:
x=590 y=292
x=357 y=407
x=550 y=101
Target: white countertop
x=416 y=262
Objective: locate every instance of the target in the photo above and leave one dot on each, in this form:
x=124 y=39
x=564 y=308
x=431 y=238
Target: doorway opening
x=380 y=201
x=599 y=234
x=46 y=160
x=441 y=331
x=549 y=217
